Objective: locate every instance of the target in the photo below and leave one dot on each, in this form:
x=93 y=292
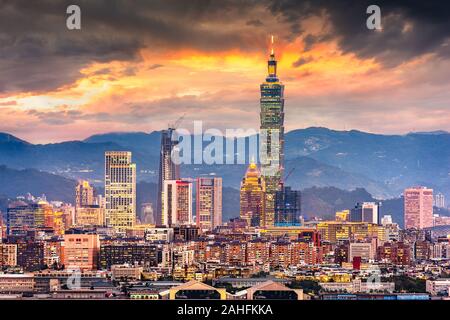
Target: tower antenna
x=271 y=40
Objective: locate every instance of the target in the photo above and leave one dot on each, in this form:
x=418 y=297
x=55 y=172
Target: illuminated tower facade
x=120 y=190
x=168 y=169
x=271 y=137
x=252 y=196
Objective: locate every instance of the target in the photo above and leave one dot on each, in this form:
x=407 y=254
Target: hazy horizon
x=153 y=131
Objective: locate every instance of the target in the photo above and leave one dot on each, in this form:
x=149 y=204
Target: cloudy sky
x=138 y=65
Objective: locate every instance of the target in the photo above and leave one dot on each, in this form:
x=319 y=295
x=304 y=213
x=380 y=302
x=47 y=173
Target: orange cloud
x=220 y=88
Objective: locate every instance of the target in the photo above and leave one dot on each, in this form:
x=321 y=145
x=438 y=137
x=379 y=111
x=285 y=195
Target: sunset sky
x=139 y=65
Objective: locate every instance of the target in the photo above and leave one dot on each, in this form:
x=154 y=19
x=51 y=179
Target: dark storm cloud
x=37 y=52
x=410 y=28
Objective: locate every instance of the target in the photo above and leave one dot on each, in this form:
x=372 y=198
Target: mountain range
x=382 y=164
x=316 y=158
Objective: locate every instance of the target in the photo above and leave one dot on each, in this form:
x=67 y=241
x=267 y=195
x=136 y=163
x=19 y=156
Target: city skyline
x=314 y=214
x=339 y=74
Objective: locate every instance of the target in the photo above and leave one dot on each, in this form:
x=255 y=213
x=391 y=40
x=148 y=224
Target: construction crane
x=177 y=122
x=283 y=181
x=289 y=174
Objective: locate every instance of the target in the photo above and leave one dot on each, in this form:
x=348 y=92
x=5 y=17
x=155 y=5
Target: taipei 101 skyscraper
x=271 y=143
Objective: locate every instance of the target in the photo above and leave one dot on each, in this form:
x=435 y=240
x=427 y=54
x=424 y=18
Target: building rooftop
x=16 y=275
x=194 y=285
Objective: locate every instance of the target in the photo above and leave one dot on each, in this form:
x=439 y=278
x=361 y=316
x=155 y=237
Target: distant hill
x=382 y=164
x=396 y=161
x=324 y=202
x=14 y=183
x=8 y=138
x=72 y=159
x=139 y=141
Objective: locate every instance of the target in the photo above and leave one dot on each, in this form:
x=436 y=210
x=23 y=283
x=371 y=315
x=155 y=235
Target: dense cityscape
x=96 y=248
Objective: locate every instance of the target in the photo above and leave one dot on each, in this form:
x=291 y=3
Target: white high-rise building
x=365 y=212
x=120 y=190
x=177 y=203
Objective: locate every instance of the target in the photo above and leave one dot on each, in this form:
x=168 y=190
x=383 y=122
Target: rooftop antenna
x=271 y=41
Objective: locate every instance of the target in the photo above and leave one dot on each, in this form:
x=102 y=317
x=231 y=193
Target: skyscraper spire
x=271 y=137
x=271 y=51
x=272 y=65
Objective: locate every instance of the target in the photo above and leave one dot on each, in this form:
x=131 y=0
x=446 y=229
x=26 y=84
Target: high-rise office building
x=90 y=216
x=120 y=190
x=209 y=203
x=84 y=194
x=177 y=203
x=418 y=207
x=271 y=137
x=30 y=253
x=287 y=207
x=168 y=168
x=365 y=212
x=22 y=217
x=252 y=196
